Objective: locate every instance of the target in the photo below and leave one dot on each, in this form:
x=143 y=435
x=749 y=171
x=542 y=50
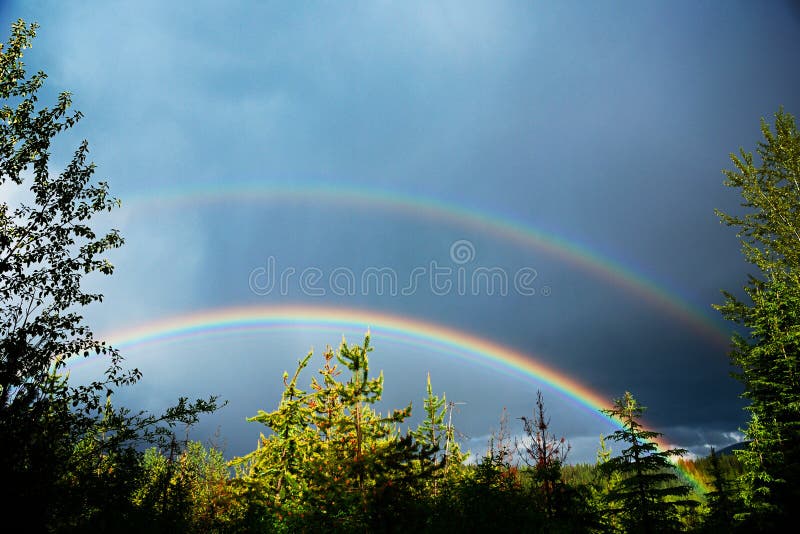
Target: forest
x=327 y=460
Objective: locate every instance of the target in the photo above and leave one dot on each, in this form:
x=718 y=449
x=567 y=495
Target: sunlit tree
x=647 y=495
x=330 y=458
x=768 y=354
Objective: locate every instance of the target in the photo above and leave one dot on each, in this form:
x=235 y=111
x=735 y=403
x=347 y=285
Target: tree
x=331 y=460
x=721 y=500
x=768 y=355
x=185 y=489
x=432 y=430
x=490 y=498
x=648 y=495
x=545 y=454
x=604 y=482
x=439 y=436
x=55 y=434
x=291 y=424
x=565 y=507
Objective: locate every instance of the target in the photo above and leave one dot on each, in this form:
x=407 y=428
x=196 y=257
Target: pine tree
x=277 y=466
x=331 y=460
x=648 y=495
x=432 y=431
x=768 y=356
x=603 y=452
x=500 y=452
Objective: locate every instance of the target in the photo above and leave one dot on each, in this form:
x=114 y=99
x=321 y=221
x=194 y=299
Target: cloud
x=605 y=131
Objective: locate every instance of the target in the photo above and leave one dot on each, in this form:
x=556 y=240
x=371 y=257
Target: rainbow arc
x=442 y=339
x=499 y=226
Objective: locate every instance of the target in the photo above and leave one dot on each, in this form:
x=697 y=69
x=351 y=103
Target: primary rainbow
x=570 y=251
x=227 y=321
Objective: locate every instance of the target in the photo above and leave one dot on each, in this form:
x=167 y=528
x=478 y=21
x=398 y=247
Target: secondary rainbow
x=496 y=225
x=444 y=339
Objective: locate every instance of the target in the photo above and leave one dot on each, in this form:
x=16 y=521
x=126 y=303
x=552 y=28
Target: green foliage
x=728 y=467
x=186 y=490
x=68 y=454
x=495 y=495
x=647 y=496
x=436 y=433
x=723 y=499
x=432 y=431
x=490 y=496
x=331 y=459
x=768 y=357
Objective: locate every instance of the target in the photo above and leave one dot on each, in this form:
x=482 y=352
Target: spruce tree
x=648 y=494
x=432 y=431
x=768 y=354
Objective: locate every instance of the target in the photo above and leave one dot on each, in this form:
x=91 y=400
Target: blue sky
x=605 y=124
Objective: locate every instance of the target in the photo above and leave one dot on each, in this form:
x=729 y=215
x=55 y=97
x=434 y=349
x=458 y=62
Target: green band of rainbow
x=228 y=321
x=496 y=225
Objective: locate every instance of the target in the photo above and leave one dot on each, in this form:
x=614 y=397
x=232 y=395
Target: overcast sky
x=603 y=125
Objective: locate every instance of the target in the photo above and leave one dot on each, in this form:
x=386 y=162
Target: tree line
x=327 y=459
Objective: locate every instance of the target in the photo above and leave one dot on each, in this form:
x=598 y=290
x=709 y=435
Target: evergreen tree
x=768 y=356
x=436 y=433
x=331 y=460
x=491 y=497
x=603 y=483
x=648 y=495
x=501 y=450
x=432 y=431
x=721 y=499
x=277 y=468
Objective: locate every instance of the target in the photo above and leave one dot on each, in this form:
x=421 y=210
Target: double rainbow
x=447 y=340
x=570 y=251
x=229 y=321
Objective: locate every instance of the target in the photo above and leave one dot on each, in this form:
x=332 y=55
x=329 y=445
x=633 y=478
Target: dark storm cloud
x=606 y=127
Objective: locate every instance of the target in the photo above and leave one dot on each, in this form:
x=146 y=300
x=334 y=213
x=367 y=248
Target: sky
x=579 y=144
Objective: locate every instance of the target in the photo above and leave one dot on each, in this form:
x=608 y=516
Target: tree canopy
x=767 y=356
x=66 y=451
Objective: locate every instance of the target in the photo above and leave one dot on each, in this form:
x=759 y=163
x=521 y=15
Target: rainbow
x=443 y=339
x=508 y=229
